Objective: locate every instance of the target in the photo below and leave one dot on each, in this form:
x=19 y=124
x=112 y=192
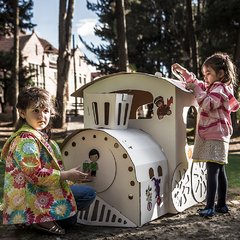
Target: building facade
x=41 y=58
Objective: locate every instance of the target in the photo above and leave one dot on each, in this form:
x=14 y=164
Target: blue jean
x=84 y=196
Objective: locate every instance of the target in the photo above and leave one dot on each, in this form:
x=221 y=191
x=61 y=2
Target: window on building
x=36 y=49
x=55 y=75
x=52 y=58
x=37 y=75
x=41 y=69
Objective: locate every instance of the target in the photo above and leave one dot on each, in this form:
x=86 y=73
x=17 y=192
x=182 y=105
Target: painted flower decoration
x=44 y=200
x=19 y=179
x=44 y=172
x=9 y=166
x=30 y=216
x=29 y=164
x=44 y=218
x=44 y=156
x=17 y=217
x=60 y=209
x=28 y=146
x=17 y=155
x=16 y=200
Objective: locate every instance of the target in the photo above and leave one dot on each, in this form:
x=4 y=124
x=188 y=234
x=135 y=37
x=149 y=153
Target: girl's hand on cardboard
x=190 y=86
x=85 y=177
x=75 y=175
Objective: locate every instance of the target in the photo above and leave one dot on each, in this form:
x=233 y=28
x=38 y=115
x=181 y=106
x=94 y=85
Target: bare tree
x=121 y=36
x=16 y=61
x=192 y=37
x=66 y=10
x=236 y=59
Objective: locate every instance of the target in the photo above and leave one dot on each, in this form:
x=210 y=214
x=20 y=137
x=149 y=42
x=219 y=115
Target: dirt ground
x=181 y=226
x=185 y=225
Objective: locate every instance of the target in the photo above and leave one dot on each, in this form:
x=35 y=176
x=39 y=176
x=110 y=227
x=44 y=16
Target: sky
x=45 y=15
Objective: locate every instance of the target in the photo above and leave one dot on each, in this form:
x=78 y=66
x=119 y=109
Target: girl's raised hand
x=178 y=68
x=177 y=71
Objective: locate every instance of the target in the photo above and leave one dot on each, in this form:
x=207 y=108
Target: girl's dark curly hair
x=221 y=61
x=37 y=97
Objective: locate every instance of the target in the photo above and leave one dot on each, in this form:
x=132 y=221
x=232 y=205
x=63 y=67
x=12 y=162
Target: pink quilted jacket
x=216 y=104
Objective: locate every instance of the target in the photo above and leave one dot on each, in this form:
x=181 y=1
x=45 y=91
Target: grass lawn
x=1 y=183
x=233 y=171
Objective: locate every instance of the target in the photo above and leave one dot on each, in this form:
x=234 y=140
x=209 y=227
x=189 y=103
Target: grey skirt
x=210 y=151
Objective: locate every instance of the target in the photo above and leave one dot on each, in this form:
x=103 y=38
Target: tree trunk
x=66 y=10
x=121 y=36
x=236 y=127
x=192 y=38
x=15 y=76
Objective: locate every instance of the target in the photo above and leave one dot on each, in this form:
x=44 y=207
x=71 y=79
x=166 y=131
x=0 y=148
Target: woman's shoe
x=223 y=209
x=50 y=227
x=206 y=212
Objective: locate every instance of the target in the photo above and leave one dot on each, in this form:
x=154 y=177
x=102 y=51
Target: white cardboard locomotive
x=139 y=128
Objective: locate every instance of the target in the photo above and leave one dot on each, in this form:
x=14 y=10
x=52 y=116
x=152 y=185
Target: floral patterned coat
x=33 y=191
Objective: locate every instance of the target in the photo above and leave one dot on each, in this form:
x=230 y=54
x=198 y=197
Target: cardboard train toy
x=137 y=143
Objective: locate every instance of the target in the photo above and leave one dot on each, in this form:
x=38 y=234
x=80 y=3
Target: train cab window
x=142 y=104
x=191 y=125
x=145 y=111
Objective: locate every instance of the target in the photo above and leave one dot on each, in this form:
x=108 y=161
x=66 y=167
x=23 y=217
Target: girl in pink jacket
x=216 y=102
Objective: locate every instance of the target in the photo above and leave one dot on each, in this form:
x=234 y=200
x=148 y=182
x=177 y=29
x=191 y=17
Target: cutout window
x=119 y=113
x=191 y=125
x=106 y=112
x=145 y=111
x=142 y=104
x=95 y=112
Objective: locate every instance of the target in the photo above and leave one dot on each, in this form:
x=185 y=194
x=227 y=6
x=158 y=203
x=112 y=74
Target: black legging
x=216 y=183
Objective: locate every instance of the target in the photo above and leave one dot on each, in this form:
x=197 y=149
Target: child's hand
x=86 y=179
x=182 y=73
x=190 y=86
x=178 y=68
x=75 y=175
x=178 y=71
